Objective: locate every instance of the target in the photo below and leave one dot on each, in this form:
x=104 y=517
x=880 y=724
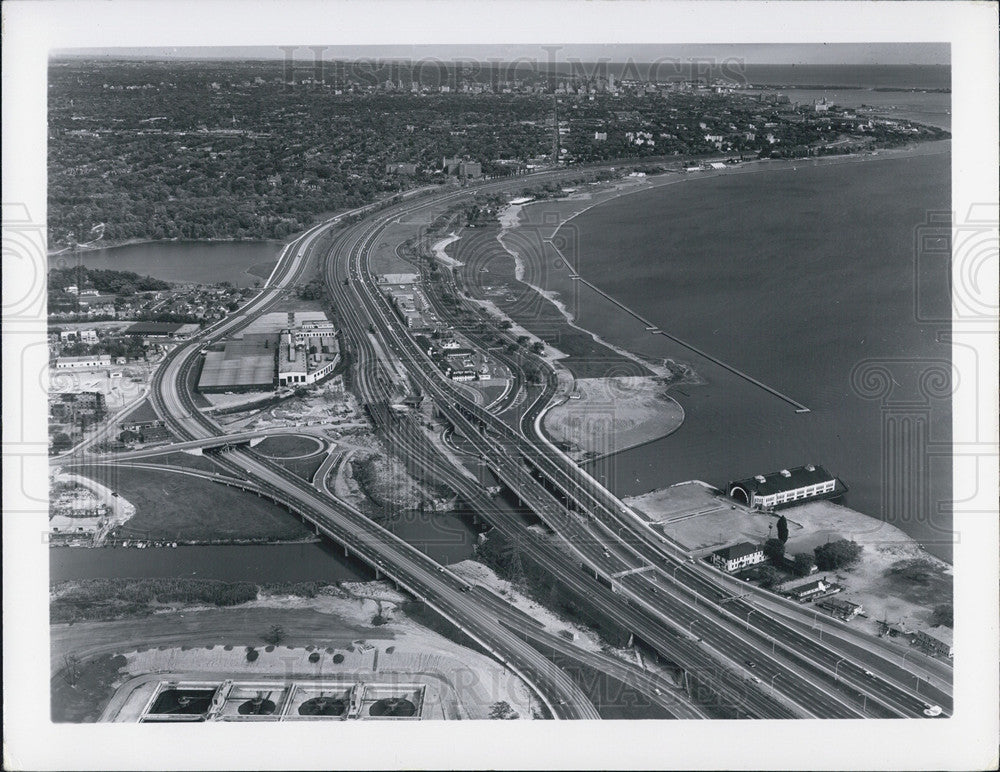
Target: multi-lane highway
x=609 y=537
x=493 y=625
x=756 y=663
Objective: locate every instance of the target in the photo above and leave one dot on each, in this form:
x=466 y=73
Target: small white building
x=81 y=363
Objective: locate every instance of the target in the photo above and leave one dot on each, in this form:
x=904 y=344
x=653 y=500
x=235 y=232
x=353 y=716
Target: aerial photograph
x=500 y=382
x=408 y=388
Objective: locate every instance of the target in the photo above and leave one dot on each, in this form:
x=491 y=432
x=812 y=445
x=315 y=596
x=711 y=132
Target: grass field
x=288 y=446
x=183 y=508
x=303 y=467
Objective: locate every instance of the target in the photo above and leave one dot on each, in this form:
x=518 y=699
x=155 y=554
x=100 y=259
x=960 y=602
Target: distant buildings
x=780 y=489
x=76 y=406
x=405 y=170
x=457 y=167
x=738 y=556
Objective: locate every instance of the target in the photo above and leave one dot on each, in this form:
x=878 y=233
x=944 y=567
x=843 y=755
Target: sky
x=767 y=53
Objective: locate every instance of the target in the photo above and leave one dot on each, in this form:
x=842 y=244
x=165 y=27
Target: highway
x=407 y=567
x=819 y=680
x=757 y=664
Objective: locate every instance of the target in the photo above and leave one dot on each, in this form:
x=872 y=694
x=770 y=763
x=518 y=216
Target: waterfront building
x=781 y=489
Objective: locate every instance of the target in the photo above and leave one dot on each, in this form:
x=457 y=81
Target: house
x=738 y=556
x=815 y=589
x=934 y=644
x=88 y=336
x=406 y=170
x=780 y=489
x=842 y=609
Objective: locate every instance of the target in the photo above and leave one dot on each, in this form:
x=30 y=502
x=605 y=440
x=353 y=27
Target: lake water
x=930 y=108
x=202 y=262
x=448 y=538
x=797 y=276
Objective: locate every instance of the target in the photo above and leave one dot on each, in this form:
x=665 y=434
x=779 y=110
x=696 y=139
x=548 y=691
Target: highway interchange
x=754 y=662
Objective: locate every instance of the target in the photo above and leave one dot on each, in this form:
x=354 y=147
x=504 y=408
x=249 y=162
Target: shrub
x=804 y=563
x=314 y=657
x=837 y=554
x=252 y=655
x=338 y=658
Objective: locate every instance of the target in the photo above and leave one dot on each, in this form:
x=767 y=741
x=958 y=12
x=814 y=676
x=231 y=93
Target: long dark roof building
x=788 y=486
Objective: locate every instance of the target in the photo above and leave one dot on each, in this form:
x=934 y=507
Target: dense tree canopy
x=837 y=554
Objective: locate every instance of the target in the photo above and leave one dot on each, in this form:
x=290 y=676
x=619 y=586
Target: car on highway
x=755 y=679
x=750 y=663
x=932 y=710
x=467 y=588
x=869 y=673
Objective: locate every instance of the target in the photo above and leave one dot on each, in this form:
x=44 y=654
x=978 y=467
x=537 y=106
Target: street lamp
x=748 y=618
x=836 y=675
x=772 y=680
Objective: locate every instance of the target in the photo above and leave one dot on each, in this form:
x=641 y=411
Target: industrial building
x=275 y=350
x=272 y=699
x=789 y=486
x=84 y=362
x=162 y=330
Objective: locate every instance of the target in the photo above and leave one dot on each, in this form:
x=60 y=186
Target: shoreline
x=96 y=246
x=912 y=150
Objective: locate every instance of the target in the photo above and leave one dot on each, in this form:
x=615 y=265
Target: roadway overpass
x=610 y=525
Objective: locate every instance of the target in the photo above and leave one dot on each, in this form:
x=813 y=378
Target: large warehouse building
x=787 y=487
x=275 y=350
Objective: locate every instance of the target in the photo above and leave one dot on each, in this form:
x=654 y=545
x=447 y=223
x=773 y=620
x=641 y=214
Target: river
x=446 y=537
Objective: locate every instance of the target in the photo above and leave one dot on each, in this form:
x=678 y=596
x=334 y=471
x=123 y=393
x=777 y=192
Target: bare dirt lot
x=894 y=578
